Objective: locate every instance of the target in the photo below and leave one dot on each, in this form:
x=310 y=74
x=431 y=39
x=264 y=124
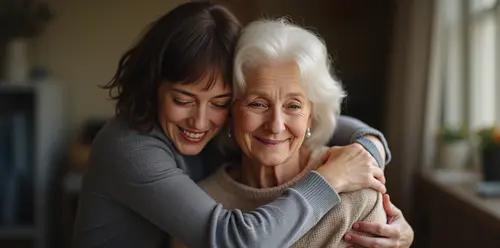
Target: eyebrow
x=194 y=95
x=295 y=94
x=265 y=93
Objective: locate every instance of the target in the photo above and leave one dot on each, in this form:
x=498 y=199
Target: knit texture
x=361 y=205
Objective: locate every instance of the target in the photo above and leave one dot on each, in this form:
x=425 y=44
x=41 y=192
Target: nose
x=199 y=119
x=275 y=123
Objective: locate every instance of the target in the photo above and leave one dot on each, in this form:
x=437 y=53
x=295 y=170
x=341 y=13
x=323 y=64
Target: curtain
x=408 y=97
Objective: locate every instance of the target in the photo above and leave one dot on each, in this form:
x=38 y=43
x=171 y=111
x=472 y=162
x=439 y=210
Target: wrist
x=372 y=148
x=378 y=136
x=334 y=182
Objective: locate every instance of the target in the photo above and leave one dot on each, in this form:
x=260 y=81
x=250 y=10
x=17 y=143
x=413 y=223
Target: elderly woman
x=286 y=105
x=285 y=108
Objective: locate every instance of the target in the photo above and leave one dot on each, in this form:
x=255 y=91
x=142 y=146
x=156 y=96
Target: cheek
x=218 y=117
x=298 y=125
x=173 y=114
x=247 y=122
x=244 y=124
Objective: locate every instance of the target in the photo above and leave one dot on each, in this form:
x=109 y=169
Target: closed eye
x=182 y=102
x=221 y=105
x=257 y=105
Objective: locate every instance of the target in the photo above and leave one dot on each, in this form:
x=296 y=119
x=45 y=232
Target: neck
x=257 y=175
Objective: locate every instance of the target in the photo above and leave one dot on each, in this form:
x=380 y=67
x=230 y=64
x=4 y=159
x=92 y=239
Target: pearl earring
x=229 y=133
x=308 y=133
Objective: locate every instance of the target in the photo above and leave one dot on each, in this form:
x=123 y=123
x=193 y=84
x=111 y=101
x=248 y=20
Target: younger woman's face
x=192 y=115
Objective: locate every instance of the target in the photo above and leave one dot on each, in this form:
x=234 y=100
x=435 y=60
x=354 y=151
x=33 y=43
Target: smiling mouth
x=269 y=142
x=192 y=136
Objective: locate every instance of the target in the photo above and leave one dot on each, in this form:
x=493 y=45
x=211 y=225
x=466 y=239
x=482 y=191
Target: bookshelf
x=31 y=133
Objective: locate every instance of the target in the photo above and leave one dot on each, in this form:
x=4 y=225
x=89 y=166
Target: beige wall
x=81 y=47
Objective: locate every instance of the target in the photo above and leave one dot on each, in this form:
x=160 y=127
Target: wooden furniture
x=449 y=213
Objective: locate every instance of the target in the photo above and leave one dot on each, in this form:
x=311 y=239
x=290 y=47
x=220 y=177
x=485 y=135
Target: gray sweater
x=139 y=189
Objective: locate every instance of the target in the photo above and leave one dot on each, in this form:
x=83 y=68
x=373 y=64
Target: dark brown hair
x=180 y=47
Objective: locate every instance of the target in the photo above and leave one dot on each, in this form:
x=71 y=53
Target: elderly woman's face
x=271 y=119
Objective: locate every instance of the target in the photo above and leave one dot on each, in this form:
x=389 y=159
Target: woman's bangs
x=198 y=63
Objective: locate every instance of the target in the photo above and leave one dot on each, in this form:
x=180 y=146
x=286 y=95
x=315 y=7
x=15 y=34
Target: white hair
x=267 y=42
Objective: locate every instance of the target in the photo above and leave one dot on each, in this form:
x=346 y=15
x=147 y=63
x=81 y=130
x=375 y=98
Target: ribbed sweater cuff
x=318 y=192
x=372 y=149
x=370 y=131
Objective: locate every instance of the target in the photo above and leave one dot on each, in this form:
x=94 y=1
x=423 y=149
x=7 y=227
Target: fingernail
x=348 y=237
x=355 y=226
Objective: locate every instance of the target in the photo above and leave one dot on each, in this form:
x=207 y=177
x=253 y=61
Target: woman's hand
x=350 y=168
x=396 y=233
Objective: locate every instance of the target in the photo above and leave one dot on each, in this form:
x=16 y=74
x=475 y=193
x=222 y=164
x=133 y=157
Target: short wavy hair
x=266 y=42
x=182 y=46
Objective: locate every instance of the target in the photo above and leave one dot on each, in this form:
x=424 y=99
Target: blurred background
x=424 y=72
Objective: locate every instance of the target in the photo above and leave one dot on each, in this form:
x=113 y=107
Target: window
x=470 y=64
x=464 y=78
x=483 y=56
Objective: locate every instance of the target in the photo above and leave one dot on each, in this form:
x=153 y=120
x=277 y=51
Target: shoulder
x=117 y=138
x=122 y=149
x=362 y=197
x=363 y=203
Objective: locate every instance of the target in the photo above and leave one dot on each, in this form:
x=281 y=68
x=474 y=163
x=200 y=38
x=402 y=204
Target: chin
x=190 y=150
x=272 y=161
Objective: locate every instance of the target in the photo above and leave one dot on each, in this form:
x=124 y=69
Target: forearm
x=279 y=223
x=179 y=207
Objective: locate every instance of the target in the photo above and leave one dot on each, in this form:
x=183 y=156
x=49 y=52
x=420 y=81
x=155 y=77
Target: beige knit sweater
x=361 y=205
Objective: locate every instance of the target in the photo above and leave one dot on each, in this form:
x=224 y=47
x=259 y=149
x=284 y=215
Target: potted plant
x=20 y=20
x=454 y=148
x=490 y=151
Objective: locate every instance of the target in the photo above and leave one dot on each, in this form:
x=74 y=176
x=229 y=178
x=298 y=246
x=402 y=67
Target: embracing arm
x=350 y=130
x=396 y=233
x=148 y=182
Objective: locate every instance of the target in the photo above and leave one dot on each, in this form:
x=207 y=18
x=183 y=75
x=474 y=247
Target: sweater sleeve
x=147 y=181
x=349 y=130
x=377 y=213
x=359 y=205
